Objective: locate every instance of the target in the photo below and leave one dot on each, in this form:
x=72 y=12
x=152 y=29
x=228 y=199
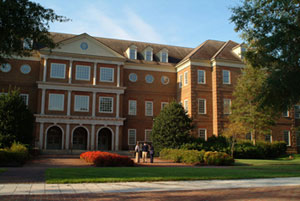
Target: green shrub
x=16 y=155
x=217 y=158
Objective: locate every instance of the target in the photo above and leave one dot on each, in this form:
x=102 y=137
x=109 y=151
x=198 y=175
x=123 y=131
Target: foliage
x=24 y=20
x=247 y=114
x=271 y=30
x=16 y=155
x=198 y=157
x=16 y=121
x=106 y=159
x=171 y=128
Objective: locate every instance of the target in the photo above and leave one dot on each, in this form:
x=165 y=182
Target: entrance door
x=54 y=138
x=104 y=139
x=80 y=138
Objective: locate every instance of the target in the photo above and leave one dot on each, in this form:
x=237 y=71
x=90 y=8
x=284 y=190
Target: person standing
x=137 y=153
x=151 y=153
x=144 y=152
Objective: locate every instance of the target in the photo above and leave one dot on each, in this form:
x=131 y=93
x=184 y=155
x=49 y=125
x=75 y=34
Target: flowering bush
x=105 y=159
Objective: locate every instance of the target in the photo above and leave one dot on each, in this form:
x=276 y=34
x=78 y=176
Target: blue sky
x=175 y=22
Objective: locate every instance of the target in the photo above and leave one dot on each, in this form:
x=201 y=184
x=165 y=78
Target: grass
x=279 y=161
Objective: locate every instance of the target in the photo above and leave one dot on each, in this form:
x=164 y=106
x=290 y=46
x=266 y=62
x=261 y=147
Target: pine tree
x=247 y=112
x=171 y=127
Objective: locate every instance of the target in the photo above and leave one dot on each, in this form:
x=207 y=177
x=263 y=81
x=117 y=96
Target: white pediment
x=86 y=45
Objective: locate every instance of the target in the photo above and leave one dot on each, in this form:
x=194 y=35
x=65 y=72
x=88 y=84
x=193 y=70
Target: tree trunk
x=254 y=137
x=232 y=148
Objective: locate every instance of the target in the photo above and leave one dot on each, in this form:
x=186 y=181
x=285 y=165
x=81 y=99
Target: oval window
x=133 y=77
x=149 y=78
x=5 y=68
x=25 y=69
x=165 y=80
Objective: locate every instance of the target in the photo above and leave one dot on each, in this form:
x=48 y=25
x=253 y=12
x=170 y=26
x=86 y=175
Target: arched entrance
x=54 y=138
x=104 y=139
x=80 y=136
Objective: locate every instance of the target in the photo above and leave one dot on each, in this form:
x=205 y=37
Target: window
x=268 y=138
x=132 y=53
x=148 y=135
x=287 y=137
x=297 y=111
x=58 y=70
x=185 y=78
x=106 y=74
x=202 y=133
x=248 y=136
x=149 y=79
x=226 y=106
x=226 y=77
x=285 y=113
x=106 y=105
x=298 y=138
x=164 y=104
x=25 y=98
x=149 y=108
x=132 y=107
x=27 y=44
x=201 y=106
x=82 y=72
x=165 y=80
x=81 y=103
x=131 y=136
x=201 y=77
x=164 y=57
x=133 y=77
x=148 y=55
x=180 y=81
x=5 y=68
x=56 y=102
x=186 y=105
x=25 y=69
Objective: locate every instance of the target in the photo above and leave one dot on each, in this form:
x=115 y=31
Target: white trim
x=27 y=98
x=43 y=101
x=113 y=74
x=190 y=63
x=149 y=115
x=94 y=105
x=159 y=68
x=63 y=102
x=70 y=72
x=69 y=104
x=289 y=136
x=93 y=137
x=64 y=66
x=118 y=76
x=88 y=105
x=161 y=104
x=41 y=136
x=118 y=106
x=184 y=104
x=145 y=133
x=88 y=136
x=31 y=58
x=95 y=74
x=62 y=135
x=112 y=106
x=133 y=114
x=204 y=73
x=228 y=64
x=204 y=105
x=45 y=70
x=117 y=139
x=85 y=66
x=205 y=138
x=229 y=105
x=112 y=137
x=185 y=78
x=180 y=81
x=229 y=77
x=288 y=114
x=128 y=135
x=67 y=136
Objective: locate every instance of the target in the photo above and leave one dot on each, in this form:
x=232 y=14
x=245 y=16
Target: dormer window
x=148 y=54
x=132 y=52
x=163 y=55
x=27 y=44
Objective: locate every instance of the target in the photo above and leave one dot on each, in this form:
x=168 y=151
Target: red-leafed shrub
x=105 y=159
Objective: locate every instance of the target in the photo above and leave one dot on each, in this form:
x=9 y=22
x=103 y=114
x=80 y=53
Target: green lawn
x=125 y=174
x=279 y=161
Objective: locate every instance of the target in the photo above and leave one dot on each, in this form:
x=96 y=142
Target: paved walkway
x=47 y=189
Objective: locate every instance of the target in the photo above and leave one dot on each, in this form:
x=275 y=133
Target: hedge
x=16 y=155
x=106 y=159
x=196 y=157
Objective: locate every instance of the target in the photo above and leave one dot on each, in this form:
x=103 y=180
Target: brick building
x=94 y=93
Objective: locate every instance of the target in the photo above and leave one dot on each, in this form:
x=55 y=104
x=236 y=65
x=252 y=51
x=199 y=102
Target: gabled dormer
x=239 y=50
x=148 y=53
x=131 y=52
x=163 y=55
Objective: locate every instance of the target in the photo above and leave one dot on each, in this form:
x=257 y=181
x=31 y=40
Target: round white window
x=165 y=80
x=25 y=69
x=133 y=77
x=149 y=78
x=5 y=68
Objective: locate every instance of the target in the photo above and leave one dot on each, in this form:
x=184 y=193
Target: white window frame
x=186 y=105
x=199 y=99
x=271 y=138
x=298 y=136
x=147 y=130
x=57 y=77
x=112 y=105
x=225 y=99
x=151 y=55
x=229 y=77
x=202 y=129
x=146 y=114
x=85 y=79
x=295 y=108
x=113 y=74
x=289 y=137
x=135 y=52
x=186 y=82
x=88 y=103
x=163 y=103
x=204 y=77
x=180 y=81
x=161 y=56
x=63 y=102
x=27 y=98
x=129 y=136
x=287 y=113
x=129 y=111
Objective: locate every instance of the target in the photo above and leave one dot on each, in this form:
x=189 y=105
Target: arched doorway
x=104 y=139
x=54 y=138
x=80 y=136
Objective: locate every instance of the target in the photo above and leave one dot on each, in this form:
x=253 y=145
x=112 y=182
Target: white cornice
x=79 y=120
x=77 y=87
x=159 y=68
x=192 y=63
x=228 y=64
x=31 y=58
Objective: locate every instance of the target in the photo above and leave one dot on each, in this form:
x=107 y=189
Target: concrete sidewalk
x=56 y=189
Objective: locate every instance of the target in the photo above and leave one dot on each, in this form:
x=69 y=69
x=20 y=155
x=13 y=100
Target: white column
x=117 y=138
x=113 y=142
x=43 y=101
x=95 y=74
x=69 y=104
x=118 y=106
x=118 y=76
x=63 y=140
x=41 y=135
x=94 y=105
x=93 y=137
x=70 y=71
x=67 y=136
x=45 y=69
